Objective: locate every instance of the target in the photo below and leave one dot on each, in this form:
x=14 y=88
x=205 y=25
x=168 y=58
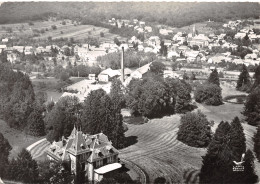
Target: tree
x=195 y=47
x=64 y=76
x=257 y=143
x=214 y=78
x=194 y=130
x=35 y=123
x=5 y=148
x=23 y=169
x=54 y=27
x=183 y=97
x=157 y=67
x=148 y=97
x=252 y=108
x=117 y=99
x=257 y=78
x=249 y=175
x=243 y=82
x=208 y=93
x=102 y=113
x=237 y=139
x=61 y=119
x=217 y=163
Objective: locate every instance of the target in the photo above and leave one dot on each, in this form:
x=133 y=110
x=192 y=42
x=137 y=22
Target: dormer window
x=53 y=149
x=100 y=154
x=82 y=146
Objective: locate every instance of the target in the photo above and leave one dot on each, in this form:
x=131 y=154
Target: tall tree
x=183 y=97
x=243 y=79
x=61 y=119
x=5 y=148
x=93 y=112
x=249 y=175
x=217 y=163
x=257 y=144
x=214 y=78
x=252 y=108
x=117 y=98
x=257 y=78
x=237 y=139
x=35 y=123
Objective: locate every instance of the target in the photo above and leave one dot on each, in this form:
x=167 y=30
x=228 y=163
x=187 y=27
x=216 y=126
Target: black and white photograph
x=129 y=92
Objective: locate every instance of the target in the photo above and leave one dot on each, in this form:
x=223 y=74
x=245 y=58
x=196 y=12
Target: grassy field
x=78 y=32
x=160 y=154
x=51 y=84
x=17 y=139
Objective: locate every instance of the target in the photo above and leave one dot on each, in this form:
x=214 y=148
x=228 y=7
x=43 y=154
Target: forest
x=169 y=13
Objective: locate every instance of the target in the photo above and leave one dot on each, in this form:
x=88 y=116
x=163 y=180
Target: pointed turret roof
x=78 y=145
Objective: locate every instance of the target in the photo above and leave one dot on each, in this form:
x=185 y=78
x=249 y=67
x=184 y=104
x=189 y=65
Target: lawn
x=51 y=84
x=17 y=139
x=160 y=154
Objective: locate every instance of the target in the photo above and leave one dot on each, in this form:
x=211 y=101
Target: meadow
x=69 y=30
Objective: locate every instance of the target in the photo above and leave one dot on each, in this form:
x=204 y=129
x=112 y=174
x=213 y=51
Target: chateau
x=88 y=155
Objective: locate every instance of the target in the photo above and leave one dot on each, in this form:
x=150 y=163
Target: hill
x=175 y=14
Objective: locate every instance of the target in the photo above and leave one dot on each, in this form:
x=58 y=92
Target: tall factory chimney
x=122 y=66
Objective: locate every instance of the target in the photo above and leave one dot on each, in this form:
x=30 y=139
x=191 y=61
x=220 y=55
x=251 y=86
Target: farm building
x=91 y=156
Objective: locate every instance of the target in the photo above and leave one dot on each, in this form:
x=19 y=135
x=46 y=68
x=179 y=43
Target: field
x=51 y=87
x=17 y=139
x=78 y=32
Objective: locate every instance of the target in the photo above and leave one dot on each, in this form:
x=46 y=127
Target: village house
x=154 y=41
x=165 y=31
x=240 y=35
x=91 y=156
x=19 y=48
x=135 y=21
x=142 y=23
x=148 y=29
x=5 y=40
x=2 y=47
x=167 y=43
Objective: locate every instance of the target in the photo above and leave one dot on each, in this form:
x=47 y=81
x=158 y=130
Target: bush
x=194 y=130
x=102 y=34
x=54 y=27
x=208 y=93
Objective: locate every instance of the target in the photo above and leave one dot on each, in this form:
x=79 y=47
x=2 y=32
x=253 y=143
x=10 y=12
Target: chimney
x=122 y=66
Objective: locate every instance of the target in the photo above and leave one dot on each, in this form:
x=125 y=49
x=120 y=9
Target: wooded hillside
x=170 y=13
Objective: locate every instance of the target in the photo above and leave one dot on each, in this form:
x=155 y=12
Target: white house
x=240 y=35
x=148 y=29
